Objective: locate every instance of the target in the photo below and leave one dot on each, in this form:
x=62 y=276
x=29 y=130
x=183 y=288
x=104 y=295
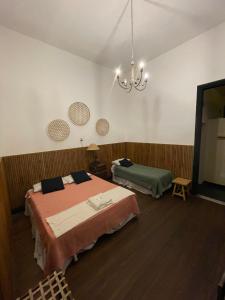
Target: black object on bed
x=126 y=163
x=52 y=185
x=80 y=176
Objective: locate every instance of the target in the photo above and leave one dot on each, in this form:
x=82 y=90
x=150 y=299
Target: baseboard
x=211 y=199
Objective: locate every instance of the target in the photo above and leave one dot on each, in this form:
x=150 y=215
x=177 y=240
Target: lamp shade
x=93 y=147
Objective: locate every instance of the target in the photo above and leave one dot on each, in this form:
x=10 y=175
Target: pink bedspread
x=58 y=250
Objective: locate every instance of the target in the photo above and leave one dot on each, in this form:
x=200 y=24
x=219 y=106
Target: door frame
x=198 y=128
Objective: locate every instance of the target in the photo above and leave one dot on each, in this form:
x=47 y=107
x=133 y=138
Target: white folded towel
x=100 y=201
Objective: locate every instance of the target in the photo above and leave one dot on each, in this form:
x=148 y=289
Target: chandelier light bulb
x=141 y=65
x=146 y=76
x=118 y=71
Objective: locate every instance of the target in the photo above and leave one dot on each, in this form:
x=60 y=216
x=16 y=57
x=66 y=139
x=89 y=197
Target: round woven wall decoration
x=58 y=130
x=79 y=113
x=102 y=127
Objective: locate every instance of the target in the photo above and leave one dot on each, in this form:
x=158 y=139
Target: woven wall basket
x=79 y=113
x=58 y=130
x=102 y=127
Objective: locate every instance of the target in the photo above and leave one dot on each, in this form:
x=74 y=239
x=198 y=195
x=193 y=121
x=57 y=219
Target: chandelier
x=137 y=79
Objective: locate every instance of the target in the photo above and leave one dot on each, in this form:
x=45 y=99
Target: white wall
x=165 y=112
x=38 y=83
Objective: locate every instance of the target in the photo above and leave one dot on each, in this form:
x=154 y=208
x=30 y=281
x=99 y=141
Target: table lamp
x=94 y=148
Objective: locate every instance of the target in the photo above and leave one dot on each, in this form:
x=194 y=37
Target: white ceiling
x=99 y=30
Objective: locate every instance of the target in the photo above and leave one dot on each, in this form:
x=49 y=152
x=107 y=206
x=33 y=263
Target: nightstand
x=99 y=169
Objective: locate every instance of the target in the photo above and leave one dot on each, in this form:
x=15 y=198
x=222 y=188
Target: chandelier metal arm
x=122 y=84
x=141 y=87
x=131 y=85
x=127 y=87
x=139 y=80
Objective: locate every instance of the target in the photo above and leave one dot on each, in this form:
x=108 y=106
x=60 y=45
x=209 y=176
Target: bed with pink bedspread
x=58 y=250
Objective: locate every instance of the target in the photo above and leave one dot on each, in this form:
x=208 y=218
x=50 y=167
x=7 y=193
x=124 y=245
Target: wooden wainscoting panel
x=5 y=240
x=105 y=155
x=177 y=158
x=63 y=162
x=118 y=151
x=109 y=152
x=24 y=170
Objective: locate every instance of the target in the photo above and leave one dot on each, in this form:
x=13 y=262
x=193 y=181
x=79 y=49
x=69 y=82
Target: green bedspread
x=158 y=180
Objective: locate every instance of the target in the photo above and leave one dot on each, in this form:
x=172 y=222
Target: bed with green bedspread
x=155 y=179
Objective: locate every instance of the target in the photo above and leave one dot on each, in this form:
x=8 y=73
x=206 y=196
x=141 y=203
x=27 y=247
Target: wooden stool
x=181 y=187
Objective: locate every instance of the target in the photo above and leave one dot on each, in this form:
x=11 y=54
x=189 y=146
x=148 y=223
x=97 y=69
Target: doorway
x=209 y=149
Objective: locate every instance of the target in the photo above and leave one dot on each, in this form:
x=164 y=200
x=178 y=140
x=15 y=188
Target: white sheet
x=69 y=218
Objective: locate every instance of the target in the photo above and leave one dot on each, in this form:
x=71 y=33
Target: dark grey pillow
x=126 y=163
x=80 y=176
x=52 y=185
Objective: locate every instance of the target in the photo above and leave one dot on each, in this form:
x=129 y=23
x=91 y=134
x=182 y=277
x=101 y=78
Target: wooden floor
x=174 y=250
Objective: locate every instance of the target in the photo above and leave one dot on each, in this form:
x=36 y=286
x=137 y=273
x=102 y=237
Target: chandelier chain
x=132 y=30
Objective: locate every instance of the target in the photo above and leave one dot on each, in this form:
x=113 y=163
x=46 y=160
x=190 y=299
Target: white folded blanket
x=100 y=201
